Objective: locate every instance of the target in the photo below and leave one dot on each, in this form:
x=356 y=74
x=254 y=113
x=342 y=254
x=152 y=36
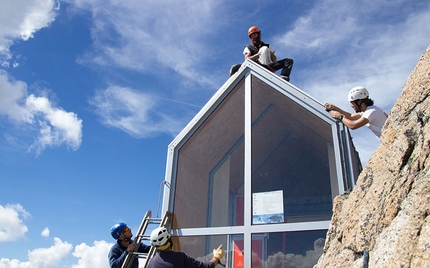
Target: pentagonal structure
x=257 y=170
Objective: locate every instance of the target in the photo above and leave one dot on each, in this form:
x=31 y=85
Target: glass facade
x=291 y=150
x=256 y=172
x=210 y=168
x=268 y=250
x=287 y=249
x=200 y=247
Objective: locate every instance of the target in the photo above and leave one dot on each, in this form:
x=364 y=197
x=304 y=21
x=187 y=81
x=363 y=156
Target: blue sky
x=93 y=92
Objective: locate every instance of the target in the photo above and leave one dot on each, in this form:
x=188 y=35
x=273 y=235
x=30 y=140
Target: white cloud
x=54 y=256
x=12 y=98
x=92 y=256
x=20 y=19
x=12 y=228
x=350 y=43
x=45 y=232
x=296 y=260
x=12 y=225
x=6 y=263
x=141 y=35
x=131 y=111
x=42 y=257
x=55 y=126
x=358 y=43
x=50 y=257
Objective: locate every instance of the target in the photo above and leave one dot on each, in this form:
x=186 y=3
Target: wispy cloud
x=338 y=45
x=21 y=20
x=155 y=36
x=344 y=44
x=132 y=111
x=55 y=127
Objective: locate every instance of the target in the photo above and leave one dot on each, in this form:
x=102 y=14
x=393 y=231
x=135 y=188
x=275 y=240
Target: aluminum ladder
x=131 y=256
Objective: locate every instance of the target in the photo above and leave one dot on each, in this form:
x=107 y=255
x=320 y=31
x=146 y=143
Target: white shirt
x=376 y=118
x=264 y=53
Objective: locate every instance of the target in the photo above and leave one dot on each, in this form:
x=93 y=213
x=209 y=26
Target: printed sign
x=268 y=207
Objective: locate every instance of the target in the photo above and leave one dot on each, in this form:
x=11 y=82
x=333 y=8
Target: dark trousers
x=285 y=64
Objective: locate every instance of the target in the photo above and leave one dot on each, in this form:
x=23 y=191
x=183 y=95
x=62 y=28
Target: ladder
x=131 y=256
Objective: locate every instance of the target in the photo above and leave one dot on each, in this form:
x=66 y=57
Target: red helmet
x=253 y=29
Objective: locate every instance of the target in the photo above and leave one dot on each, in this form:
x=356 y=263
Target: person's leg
x=264 y=57
x=286 y=65
x=235 y=68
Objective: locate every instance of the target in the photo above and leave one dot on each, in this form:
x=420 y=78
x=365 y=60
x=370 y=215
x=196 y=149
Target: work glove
x=219 y=253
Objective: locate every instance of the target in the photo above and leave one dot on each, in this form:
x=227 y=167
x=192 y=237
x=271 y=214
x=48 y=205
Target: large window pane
x=209 y=183
x=268 y=250
x=291 y=151
x=287 y=250
x=200 y=247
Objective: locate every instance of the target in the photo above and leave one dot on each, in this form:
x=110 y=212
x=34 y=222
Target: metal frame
x=344 y=167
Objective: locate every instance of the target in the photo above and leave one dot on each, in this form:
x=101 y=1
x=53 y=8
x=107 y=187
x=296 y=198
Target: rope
x=159 y=197
x=365 y=259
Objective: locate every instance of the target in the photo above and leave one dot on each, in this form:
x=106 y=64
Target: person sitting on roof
x=365 y=112
x=167 y=258
x=263 y=54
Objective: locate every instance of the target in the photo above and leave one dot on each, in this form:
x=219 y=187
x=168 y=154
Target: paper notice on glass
x=268 y=207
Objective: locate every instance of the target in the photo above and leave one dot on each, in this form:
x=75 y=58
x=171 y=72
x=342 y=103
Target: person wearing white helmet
x=124 y=244
x=366 y=113
x=167 y=258
x=263 y=54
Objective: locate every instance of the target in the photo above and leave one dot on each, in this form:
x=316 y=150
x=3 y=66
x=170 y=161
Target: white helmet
x=358 y=93
x=159 y=237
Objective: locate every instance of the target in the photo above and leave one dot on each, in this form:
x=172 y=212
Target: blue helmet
x=117 y=229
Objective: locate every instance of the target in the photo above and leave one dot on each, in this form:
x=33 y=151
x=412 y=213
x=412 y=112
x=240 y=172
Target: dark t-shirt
x=172 y=259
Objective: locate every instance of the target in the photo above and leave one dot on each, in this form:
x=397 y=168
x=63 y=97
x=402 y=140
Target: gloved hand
x=219 y=253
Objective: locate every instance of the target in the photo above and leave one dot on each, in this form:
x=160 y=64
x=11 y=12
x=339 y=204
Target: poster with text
x=268 y=207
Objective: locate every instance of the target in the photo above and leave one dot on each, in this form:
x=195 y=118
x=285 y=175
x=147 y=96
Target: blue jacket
x=118 y=253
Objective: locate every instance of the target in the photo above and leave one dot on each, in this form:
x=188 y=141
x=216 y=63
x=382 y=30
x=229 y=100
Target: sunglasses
x=126 y=229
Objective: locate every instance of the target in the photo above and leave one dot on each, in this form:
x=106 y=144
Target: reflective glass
x=289 y=249
x=292 y=160
x=201 y=247
x=209 y=177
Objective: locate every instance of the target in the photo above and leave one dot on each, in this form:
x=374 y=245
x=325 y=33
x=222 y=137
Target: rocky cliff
x=387 y=213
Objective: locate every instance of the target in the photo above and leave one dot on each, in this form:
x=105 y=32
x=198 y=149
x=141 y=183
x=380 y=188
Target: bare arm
x=331 y=107
x=353 y=122
x=272 y=56
x=253 y=57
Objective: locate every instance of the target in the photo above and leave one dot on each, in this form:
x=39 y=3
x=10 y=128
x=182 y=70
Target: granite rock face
x=387 y=213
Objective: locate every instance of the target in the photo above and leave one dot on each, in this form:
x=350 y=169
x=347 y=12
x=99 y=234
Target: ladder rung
x=139 y=253
x=154 y=221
